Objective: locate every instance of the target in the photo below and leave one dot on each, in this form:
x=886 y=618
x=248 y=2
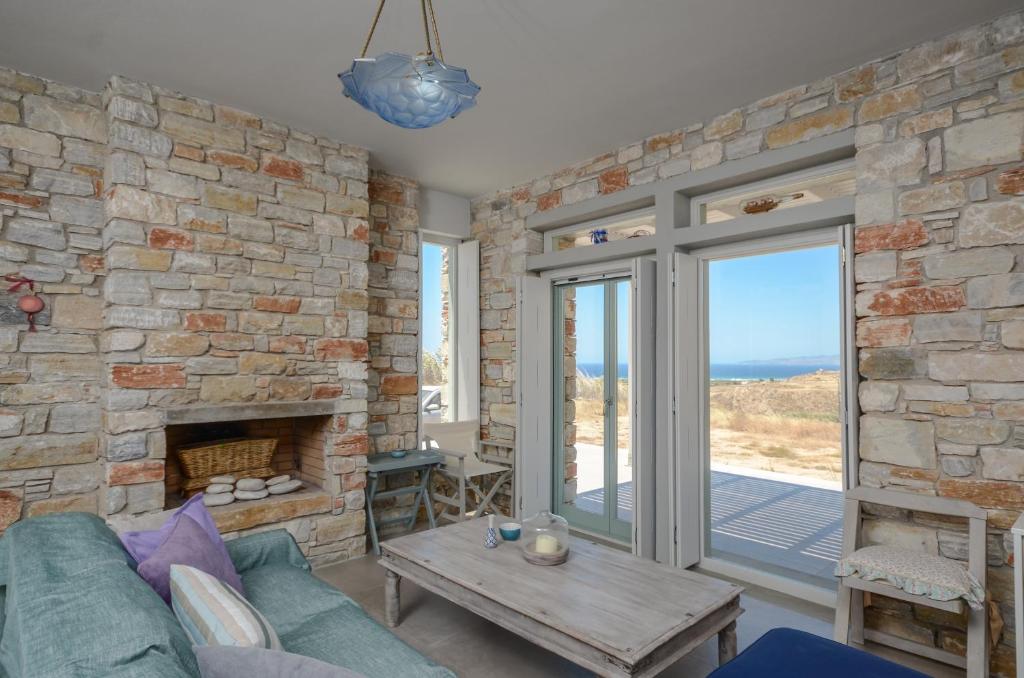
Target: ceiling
x=562 y=80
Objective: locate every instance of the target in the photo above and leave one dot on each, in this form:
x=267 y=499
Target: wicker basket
x=243 y=457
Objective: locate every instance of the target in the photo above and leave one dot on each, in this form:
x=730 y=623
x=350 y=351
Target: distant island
x=818 y=361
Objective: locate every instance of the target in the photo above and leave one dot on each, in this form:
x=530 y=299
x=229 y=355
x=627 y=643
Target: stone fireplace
x=301 y=451
x=208 y=273
x=235 y=300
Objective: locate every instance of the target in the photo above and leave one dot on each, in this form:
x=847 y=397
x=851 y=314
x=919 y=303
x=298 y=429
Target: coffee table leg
x=727 y=643
x=392 y=600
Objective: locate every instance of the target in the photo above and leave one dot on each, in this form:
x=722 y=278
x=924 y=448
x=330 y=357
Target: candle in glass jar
x=546 y=544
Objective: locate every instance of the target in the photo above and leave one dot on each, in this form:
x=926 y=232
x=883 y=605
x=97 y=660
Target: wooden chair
x=465 y=467
x=850 y=601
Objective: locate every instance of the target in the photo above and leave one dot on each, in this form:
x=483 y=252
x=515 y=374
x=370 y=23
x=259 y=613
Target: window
x=638 y=224
x=785 y=193
x=438 y=338
x=594 y=471
x=775 y=462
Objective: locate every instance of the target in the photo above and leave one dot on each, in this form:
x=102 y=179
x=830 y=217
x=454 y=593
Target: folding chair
x=465 y=467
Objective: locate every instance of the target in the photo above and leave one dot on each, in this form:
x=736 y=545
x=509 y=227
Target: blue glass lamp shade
x=411 y=92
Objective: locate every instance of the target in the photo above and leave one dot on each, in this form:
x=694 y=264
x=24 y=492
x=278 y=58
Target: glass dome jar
x=545 y=539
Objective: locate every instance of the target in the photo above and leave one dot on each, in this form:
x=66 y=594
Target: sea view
x=731 y=371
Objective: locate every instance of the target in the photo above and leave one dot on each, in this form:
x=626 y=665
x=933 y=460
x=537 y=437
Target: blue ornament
x=410 y=91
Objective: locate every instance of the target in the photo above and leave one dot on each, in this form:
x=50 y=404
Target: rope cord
x=425 y=7
x=437 y=36
x=373 y=27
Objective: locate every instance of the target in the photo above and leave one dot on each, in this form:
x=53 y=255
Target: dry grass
x=809 y=431
x=590 y=410
x=788 y=426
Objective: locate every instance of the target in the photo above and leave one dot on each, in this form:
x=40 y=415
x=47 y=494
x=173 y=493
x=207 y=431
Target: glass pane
x=436 y=367
x=795 y=194
x=585 y=396
x=775 y=441
x=633 y=227
x=623 y=452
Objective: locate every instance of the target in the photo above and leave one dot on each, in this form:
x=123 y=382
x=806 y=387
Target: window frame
x=611 y=220
x=697 y=203
x=453 y=310
x=692 y=413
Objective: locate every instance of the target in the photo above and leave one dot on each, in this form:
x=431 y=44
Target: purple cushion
x=142 y=544
x=187 y=544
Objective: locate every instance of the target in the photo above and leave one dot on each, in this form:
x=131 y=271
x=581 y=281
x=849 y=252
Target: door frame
x=534 y=466
x=609 y=526
x=692 y=362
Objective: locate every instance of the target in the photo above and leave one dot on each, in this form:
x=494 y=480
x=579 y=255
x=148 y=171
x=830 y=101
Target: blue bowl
x=398 y=454
x=509 y=531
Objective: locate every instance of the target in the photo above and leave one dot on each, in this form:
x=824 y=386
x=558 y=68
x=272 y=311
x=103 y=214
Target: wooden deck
x=781 y=527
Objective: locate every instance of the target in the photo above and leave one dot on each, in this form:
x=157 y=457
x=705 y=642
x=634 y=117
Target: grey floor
x=473 y=647
x=784 y=528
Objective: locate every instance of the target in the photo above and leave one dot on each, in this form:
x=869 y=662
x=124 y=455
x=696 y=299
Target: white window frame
x=463 y=326
x=695 y=418
x=535 y=389
x=453 y=312
x=550 y=236
x=698 y=202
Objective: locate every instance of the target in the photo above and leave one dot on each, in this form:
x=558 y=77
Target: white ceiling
x=562 y=80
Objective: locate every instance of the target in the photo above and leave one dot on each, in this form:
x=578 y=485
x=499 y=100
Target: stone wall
x=192 y=255
x=570 y=392
x=394 y=313
x=52 y=153
x=939 y=131
x=237 y=256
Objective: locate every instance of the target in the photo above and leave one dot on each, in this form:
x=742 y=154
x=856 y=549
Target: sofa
x=73 y=605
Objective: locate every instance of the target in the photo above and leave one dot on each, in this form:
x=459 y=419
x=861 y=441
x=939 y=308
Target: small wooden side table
x=379 y=466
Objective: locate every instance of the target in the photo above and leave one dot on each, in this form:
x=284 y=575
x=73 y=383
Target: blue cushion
x=788 y=653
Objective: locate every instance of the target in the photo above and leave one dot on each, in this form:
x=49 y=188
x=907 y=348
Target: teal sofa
x=73 y=606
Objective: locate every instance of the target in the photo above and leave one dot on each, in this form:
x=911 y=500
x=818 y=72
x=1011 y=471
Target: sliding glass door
x=774 y=444
x=593 y=461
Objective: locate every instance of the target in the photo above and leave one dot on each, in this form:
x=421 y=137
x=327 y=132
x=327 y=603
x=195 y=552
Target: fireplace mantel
x=204 y=414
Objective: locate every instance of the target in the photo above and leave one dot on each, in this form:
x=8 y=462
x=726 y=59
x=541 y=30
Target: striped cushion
x=213 y=613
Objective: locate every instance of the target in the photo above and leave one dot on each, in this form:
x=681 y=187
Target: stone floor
x=474 y=647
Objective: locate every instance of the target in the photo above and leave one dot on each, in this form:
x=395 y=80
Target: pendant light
x=410 y=91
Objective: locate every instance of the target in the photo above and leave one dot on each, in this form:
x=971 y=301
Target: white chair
x=465 y=467
x=849 y=625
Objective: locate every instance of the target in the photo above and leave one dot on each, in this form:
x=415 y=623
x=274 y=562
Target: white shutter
x=467 y=321
x=533 y=396
x=643 y=395
x=691 y=383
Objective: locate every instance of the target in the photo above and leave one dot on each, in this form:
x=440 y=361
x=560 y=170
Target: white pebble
x=247 y=495
x=285 y=488
x=250 y=484
x=218 y=499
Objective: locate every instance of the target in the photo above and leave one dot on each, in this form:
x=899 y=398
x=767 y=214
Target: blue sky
x=431 y=263
x=590 y=323
x=782 y=305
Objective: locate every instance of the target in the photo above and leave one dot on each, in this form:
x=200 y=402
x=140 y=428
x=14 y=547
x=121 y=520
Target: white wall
x=444 y=214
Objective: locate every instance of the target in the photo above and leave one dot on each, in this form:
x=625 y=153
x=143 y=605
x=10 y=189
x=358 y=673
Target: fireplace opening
x=299 y=453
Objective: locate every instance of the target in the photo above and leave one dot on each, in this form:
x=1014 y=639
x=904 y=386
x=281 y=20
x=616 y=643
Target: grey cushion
x=221 y=661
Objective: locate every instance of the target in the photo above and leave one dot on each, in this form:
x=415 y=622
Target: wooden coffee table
x=606 y=610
